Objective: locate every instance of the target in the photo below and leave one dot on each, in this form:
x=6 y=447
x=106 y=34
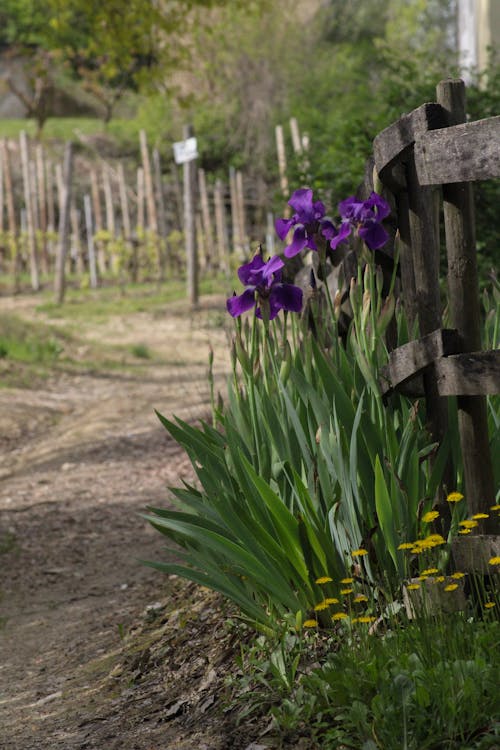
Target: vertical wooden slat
x=160 y=206
x=122 y=187
x=148 y=184
x=64 y=219
x=75 y=232
x=159 y=194
x=150 y=199
x=2 y=199
x=463 y=292
x=51 y=217
x=87 y=207
x=9 y=193
x=98 y=220
x=42 y=205
x=205 y=212
x=140 y=200
x=11 y=216
x=240 y=202
x=424 y=240
x=235 y=214
x=221 y=227
x=110 y=215
x=30 y=223
x=189 y=169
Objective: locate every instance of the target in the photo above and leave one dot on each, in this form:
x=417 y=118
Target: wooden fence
x=101 y=218
x=428 y=160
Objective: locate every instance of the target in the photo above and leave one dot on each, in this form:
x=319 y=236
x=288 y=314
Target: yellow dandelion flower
x=439 y=579
x=494 y=561
x=331 y=600
x=468 y=523
x=365 y=618
x=310 y=623
x=339 y=616
x=451 y=587
x=434 y=539
x=347 y=580
x=360 y=598
x=431 y=515
x=455 y=497
x=346 y=591
x=495 y=507
x=359 y=552
x=323 y=579
x=320 y=606
x=489 y=605
x=417 y=550
x=429 y=571
x=457 y=575
x=413 y=586
x=478 y=516
x=465 y=531
x=406 y=545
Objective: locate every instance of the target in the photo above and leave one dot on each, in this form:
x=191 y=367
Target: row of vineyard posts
x=98 y=221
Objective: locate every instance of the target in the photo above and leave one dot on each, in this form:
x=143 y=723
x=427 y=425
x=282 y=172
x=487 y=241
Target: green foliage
x=24 y=342
x=303 y=466
x=431 y=686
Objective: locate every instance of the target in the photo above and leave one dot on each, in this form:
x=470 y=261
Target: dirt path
x=80 y=458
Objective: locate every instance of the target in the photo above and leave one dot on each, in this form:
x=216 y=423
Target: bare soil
x=96 y=650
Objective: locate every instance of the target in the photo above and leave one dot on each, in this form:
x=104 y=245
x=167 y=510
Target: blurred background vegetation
x=344 y=68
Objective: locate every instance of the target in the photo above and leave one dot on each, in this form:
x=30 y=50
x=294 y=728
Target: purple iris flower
x=307 y=220
x=262 y=281
x=365 y=217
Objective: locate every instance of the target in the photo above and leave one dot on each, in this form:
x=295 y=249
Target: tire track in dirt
x=81 y=458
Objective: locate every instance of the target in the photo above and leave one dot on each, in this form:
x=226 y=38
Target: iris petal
x=283 y=226
x=298 y=243
x=238 y=305
x=343 y=234
x=273 y=265
x=247 y=272
x=302 y=202
x=285 y=297
x=374 y=235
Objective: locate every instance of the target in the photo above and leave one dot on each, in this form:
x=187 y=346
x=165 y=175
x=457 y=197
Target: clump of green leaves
x=425 y=685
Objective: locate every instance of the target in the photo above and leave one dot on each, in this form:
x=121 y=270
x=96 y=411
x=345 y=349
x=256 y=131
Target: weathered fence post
x=424 y=242
x=42 y=205
x=205 y=215
x=98 y=222
x=30 y=221
x=463 y=292
x=59 y=282
x=221 y=227
x=87 y=207
x=11 y=213
x=189 y=169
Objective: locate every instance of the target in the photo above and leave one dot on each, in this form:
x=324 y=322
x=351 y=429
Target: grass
x=31 y=349
x=106 y=301
x=416 y=686
x=65 y=128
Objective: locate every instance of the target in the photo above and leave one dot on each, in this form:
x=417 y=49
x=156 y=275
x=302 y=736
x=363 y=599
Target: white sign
x=185 y=151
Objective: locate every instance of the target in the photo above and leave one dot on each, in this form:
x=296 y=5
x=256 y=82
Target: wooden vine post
x=463 y=293
x=30 y=218
x=189 y=171
x=64 y=219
